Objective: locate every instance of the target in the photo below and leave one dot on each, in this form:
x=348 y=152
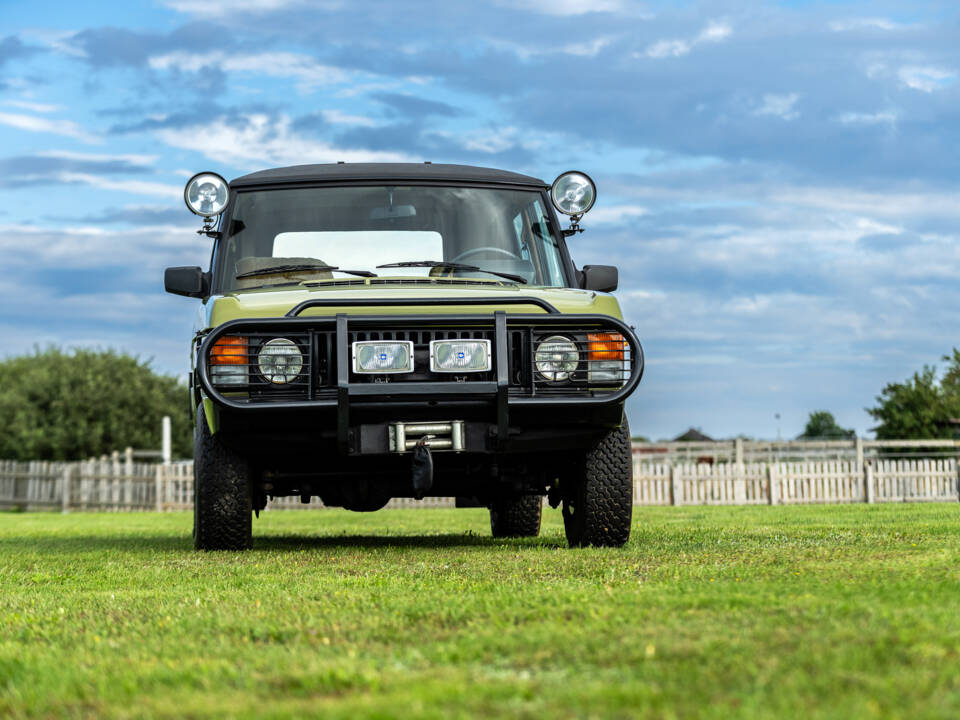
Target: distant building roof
x=393 y=172
x=693 y=435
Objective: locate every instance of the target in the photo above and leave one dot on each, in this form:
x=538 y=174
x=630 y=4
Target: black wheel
x=598 y=497
x=223 y=505
x=516 y=517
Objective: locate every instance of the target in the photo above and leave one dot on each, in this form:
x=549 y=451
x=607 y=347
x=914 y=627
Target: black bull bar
x=496 y=391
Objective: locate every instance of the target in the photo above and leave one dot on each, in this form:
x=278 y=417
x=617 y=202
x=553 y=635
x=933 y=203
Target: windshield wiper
x=454 y=266
x=303 y=266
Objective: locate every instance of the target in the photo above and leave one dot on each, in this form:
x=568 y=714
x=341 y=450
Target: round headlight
x=573 y=193
x=280 y=360
x=557 y=357
x=206 y=194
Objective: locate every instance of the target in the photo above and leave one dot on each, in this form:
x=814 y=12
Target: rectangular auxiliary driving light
x=459 y=356
x=378 y=357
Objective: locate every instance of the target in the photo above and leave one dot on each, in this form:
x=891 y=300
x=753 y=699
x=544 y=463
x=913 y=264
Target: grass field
x=773 y=612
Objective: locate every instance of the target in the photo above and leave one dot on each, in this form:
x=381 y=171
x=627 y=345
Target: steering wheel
x=485 y=248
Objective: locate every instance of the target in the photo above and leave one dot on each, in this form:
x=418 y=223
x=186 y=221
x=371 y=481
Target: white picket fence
x=118 y=483
x=740 y=450
x=932 y=480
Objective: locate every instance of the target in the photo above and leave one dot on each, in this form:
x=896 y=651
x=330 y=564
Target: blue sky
x=778 y=182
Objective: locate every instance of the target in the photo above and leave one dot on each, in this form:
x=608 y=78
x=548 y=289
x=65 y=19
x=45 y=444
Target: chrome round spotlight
x=206 y=194
x=573 y=193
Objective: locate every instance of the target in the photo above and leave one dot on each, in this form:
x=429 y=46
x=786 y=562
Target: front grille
x=421 y=354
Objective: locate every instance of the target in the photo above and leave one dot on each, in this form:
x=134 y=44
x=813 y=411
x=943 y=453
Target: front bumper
x=510 y=395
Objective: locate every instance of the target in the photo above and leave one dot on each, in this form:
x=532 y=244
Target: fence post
x=115 y=479
x=773 y=484
x=128 y=479
x=65 y=490
x=674 y=486
x=738 y=451
x=859 y=444
x=868 y=483
x=160 y=488
x=166 y=445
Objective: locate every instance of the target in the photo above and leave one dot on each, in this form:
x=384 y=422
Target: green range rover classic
x=371 y=331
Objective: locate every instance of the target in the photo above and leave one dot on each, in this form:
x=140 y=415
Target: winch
x=404 y=437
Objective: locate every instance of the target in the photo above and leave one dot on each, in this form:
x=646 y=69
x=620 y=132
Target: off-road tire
x=516 y=517
x=223 y=504
x=598 y=496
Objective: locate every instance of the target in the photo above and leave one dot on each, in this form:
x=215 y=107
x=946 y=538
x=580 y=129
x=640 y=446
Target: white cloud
x=57 y=40
x=616 y=213
x=874 y=23
x=495 y=140
x=99 y=157
x=337 y=117
x=526 y=49
x=879 y=118
x=84 y=246
x=219 y=8
x=869 y=226
x=714 y=32
x=565 y=7
x=275 y=64
x=588 y=48
x=925 y=78
x=31 y=123
x=862 y=203
x=261 y=142
x=668 y=48
x=490 y=142
x=781 y=106
x=32 y=106
x=135 y=187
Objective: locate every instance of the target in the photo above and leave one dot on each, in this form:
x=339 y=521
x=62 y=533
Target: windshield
x=288 y=236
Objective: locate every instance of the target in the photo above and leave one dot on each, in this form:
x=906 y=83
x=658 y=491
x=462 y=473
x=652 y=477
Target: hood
x=276 y=302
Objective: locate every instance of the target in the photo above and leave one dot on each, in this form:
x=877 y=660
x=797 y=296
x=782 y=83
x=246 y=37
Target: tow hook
x=421 y=467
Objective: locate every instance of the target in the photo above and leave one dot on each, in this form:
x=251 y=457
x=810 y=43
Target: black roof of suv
x=338 y=172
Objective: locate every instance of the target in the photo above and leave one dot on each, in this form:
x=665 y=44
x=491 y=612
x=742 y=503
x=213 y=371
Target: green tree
x=821 y=424
x=921 y=407
x=70 y=405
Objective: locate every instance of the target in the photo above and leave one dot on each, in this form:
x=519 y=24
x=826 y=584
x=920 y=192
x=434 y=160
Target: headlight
x=573 y=193
x=557 y=357
x=280 y=360
x=206 y=194
x=459 y=355
x=374 y=356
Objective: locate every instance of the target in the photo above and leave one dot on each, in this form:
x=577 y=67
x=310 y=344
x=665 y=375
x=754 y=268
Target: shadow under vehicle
x=371 y=331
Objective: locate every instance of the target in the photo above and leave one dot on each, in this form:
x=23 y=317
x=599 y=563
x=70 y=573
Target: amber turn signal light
x=605 y=346
x=229 y=350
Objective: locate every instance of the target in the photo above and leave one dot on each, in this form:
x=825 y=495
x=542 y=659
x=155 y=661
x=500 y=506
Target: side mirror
x=189 y=281
x=603 y=278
